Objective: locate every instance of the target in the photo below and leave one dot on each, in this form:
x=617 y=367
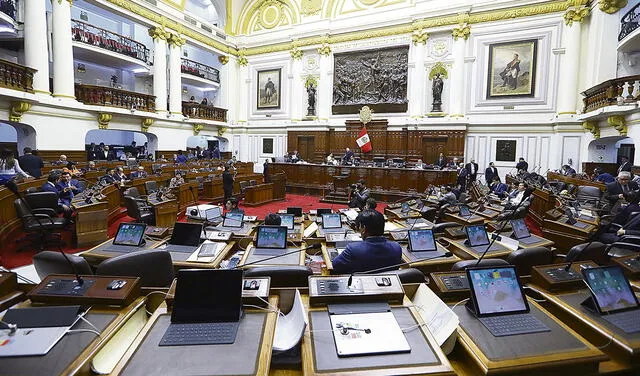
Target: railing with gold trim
x=200 y=70
x=201 y=111
x=15 y=76
x=107 y=96
x=108 y=40
x=616 y=91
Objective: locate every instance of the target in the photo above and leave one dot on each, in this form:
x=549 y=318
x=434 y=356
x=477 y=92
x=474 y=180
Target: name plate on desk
x=363 y=288
x=555 y=278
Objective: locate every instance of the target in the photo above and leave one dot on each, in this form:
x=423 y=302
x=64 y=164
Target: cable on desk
x=151 y=293
x=264 y=309
x=73 y=331
x=458 y=303
x=271 y=306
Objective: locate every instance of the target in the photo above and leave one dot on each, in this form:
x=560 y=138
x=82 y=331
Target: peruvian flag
x=363 y=141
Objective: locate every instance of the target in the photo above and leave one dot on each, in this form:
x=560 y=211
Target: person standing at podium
x=347 y=159
x=227 y=183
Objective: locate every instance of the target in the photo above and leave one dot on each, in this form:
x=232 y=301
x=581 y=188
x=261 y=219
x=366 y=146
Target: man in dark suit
x=66 y=191
x=490 y=173
x=522 y=165
x=265 y=171
x=625 y=165
x=629 y=225
x=108 y=176
x=227 y=183
x=50 y=185
x=348 y=156
x=31 y=164
x=472 y=170
x=462 y=177
x=618 y=188
x=568 y=170
x=374 y=252
x=441 y=161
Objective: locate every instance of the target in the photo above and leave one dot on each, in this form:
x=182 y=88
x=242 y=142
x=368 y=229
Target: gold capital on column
x=619 y=123
x=325 y=49
x=17 y=110
x=461 y=31
x=419 y=37
x=242 y=58
x=69 y=1
x=176 y=40
x=296 y=53
x=223 y=59
x=576 y=14
x=145 y=124
x=103 y=120
x=158 y=32
x=197 y=128
x=592 y=127
x=612 y=6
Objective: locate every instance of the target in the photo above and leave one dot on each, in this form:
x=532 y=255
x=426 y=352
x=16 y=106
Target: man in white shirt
x=515 y=200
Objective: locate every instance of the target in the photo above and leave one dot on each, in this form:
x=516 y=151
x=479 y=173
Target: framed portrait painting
x=269 y=89
x=512 y=69
x=505 y=151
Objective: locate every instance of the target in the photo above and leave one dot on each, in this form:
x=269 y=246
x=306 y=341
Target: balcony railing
x=8 y=7
x=15 y=76
x=630 y=22
x=95 y=36
x=203 y=111
x=111 y=97
x=611 y=92
x=200 y=70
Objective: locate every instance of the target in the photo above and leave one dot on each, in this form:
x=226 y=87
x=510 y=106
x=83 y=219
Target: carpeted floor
x=11 y=258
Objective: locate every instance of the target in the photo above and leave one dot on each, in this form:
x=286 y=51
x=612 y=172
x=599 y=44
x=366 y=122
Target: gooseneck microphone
x=313 y=246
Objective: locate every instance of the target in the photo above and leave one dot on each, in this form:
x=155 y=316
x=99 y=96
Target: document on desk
x=368 y=333
x=391 y=226
x=440 y=319
x=310 y=230
x=207 y=252
x=290 y=327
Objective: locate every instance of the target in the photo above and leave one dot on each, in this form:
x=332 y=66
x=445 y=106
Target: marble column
x=36 y=52
x=63 y=69
x=417 y=76
x=160 y=36
x=175 y=74
x=602 y=47
x=570 y=61
x=324 y=93
x=245 y=89
x=456 y=92
x=298 y=94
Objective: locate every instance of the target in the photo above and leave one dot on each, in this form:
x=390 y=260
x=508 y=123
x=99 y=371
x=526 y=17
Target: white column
x=602 y=48
x=416 y=80
x=245 y=92
x=63 y=77
x=159 y=36
x=324 y=93
x=298 y=96
x=456 y=92
x=175 y=76
x=569 y=70
x=36 y=53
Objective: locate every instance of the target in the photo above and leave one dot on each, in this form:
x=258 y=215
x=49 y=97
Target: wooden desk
x=565 y=235
x=166 y=212
x=551 y=176
x=72 y=355
x=624 y=348
x=96 y=255
x=111 y=195
x=258 y=194
x=292 y=259
x=545 y=353
x=442 y=264
x=186 y=195
x=91 y=222
x=212 y=190
x=250 y=354
x=461 y=250
x=465 y=221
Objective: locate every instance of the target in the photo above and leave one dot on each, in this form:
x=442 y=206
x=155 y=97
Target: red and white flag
x=363 y=141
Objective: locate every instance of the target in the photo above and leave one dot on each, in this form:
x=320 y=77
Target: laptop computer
x=331 y=223
x=421 y=241
x=521 y=232
x=207 y=308
x=478 y=240
x=233 y=220
x=296 y=211
x=498 y=301
x=271 y=240
x=129 y=237
x=287 y=220
x=214 y=214
x=185 y=237
x=612 y=297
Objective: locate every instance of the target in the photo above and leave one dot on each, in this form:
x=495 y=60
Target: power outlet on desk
x=363 y=288
x=451 y=286
x=64 y=289
x=555 y=278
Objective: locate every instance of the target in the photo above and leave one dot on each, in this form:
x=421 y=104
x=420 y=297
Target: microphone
x=525 y=196
x=394 y=267
x=313 y=246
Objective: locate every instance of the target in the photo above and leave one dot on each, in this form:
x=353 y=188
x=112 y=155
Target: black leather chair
x=282 y=276
x=139 y=213
x=524 y=259
x=43 y=203
x=588 y=196
x=243 y=187
x=596 y=252
x=150 y=186
x=440 y=227
x=429 y=213
x=133 y=192
x=154 y=267
x=31 y=190
x=462 y=265
x=50 y=262
x=409 y=275
x=622 y=249
x=41 y=225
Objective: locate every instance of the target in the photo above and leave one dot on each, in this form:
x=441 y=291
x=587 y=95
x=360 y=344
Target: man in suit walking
x=625 y=165
x=490 y=173
x=618 y=188
x=522 y=165
x=472 y=170
x=31 y=164
x=374 y=252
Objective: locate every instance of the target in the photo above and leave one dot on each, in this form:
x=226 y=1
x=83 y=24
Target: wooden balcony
x=111 y=97
x=15 y=76
x=108 y=40
x=199 y=111
x=621 y=90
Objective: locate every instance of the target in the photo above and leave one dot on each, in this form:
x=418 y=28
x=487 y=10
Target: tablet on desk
x=233 y=220
x=131 y=234
x=330 y=221
x=287 y=220
x=421 y=241
x=271 y=240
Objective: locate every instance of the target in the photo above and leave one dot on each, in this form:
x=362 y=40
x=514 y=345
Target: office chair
x=140 y=214
x=464 y=264
x=440 y=227
x=524 y=259
x=40 y=225
x=133 y=192
x=153 y=267
x=282 y=276
x=596 y=252
x=31 y=190
x=243 y=187
x=587 y=195
x=150 y=186
x=253 y=182
x=43 y=203
x=622 y=249
x=52 y=262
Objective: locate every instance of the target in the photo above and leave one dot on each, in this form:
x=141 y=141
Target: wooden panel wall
x=54 y=155
x=404 y=143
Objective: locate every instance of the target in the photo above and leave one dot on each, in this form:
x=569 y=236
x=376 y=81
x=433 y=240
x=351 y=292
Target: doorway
x=432 y=147
x=307 y=148
x=626 y=150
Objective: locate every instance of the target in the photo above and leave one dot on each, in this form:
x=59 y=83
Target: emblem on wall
x=376 y=78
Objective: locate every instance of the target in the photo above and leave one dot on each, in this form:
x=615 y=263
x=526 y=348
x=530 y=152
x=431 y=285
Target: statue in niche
x=437 y=86
x=311 y=94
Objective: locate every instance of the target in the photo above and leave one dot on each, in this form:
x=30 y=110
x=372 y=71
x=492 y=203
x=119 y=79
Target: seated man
x=515 y=199
x=623 y=184
x=568 y=170
x=232 y=206
x=119 y=175
x=374 y=252
x=62 y=161
x=108 y=176
x=370 y=204
x=603 y=177
x=498 y=188
x=140 y=173
x=449 y=197
x=52 y=186
x=66 y=191
x=623 y=223
x=176 y=181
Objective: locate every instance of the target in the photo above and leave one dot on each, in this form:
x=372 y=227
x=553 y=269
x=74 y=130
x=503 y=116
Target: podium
x=279 y=181
x=340 y=193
